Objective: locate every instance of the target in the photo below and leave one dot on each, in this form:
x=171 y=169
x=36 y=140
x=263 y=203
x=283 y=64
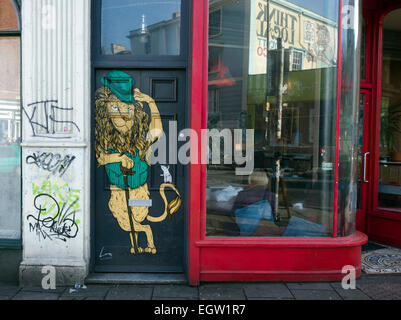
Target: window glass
x=363 y=50
x=272 y=82
x=360 y=169
x=349 y=117
x=390 y=116
x=10 y=152
x=141 y=27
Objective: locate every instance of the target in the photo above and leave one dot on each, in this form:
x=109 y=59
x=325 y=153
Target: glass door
x=389 y=180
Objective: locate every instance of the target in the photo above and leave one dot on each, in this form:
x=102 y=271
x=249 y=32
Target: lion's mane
x=107 y=137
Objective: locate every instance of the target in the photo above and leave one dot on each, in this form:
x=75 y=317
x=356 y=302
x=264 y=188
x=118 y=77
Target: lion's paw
x=150 y=250
x=140 y=250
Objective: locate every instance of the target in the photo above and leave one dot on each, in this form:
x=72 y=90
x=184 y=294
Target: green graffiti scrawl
x=62 y=193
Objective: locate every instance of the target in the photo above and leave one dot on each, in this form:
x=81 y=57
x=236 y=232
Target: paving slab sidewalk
x=368 y=287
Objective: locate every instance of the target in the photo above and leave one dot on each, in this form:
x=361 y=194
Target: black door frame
x=99 y=61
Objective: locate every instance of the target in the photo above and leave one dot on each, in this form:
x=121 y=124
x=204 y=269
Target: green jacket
x=134 y=181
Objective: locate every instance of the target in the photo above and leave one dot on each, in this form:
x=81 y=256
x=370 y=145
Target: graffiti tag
x=54 y=163
x=105 y=255
x=62 y=226
x=45 y=126
x=56 y=208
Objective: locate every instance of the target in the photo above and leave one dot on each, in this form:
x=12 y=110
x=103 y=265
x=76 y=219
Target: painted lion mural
x=124 y=134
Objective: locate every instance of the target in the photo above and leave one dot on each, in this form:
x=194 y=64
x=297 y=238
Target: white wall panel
x=56 y=122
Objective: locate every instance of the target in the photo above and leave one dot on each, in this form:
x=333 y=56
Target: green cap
x=121 y=84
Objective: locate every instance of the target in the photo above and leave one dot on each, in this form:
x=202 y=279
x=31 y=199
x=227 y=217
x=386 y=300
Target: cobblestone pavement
x=368 y=287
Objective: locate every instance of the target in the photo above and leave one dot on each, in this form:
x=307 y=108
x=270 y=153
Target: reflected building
x=10 y=102
x=161 y=38
x=10 y=121
x=119 y=49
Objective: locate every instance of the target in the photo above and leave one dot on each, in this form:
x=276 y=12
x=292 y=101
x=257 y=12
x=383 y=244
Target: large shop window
x=10 y=122
x=389 y=184
x=273 y=96
x=141 y=27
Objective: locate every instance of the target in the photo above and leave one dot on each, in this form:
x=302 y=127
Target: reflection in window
x=360 y=173
x=390 y=116
x=348 y=134
x=363 y=50
x=10 y=123
x=297 y=60
x=281 y=85
x=141 y=27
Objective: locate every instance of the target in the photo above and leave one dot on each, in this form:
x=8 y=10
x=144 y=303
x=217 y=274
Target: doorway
x=139 y=107
x=379 y=154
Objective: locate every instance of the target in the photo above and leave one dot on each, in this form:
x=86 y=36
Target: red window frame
x=253 y=259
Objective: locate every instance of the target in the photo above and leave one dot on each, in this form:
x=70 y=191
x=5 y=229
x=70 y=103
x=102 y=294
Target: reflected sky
x=326 y=8
x=119 y=17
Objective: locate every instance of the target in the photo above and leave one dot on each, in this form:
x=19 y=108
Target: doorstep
x=136 y=278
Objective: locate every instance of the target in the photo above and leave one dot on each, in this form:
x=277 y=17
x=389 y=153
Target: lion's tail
x=169 y=208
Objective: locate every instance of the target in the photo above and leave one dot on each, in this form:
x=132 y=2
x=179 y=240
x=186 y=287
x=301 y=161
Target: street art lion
x=124 y=134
